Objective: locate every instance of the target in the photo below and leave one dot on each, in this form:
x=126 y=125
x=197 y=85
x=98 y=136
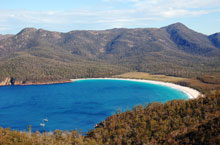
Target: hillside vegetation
x=37 y=55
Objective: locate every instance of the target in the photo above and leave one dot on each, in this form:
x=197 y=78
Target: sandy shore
x=192 y=93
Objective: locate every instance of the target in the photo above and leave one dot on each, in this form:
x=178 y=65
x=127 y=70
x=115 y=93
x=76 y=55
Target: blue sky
x=66 y=15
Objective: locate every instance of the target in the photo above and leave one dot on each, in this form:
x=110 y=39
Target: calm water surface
x=77 y=105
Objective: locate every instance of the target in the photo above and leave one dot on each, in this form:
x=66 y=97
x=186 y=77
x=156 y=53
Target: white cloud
x=156 y=7
x=4 y=28
x=171 y=3
x=138 y=14
x=171 y=13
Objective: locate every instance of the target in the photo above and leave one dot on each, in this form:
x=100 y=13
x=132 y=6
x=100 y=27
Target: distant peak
x=217 y=35
x=178 y=25
x=28 y=30
x=41 y=30
x=215 y=39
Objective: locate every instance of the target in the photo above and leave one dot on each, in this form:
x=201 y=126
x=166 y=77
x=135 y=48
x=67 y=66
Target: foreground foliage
x=175 y=122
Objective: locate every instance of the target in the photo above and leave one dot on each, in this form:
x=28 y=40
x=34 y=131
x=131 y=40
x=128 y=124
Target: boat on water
x=45 y=120
x=42 y=124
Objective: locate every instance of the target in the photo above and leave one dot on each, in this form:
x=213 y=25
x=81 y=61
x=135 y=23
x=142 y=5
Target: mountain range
x=37 y=55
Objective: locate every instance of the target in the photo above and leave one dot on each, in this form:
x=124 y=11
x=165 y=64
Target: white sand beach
x=192 y=93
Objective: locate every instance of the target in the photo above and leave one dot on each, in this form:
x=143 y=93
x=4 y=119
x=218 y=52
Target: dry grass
x=191 y=82
x=147 y=76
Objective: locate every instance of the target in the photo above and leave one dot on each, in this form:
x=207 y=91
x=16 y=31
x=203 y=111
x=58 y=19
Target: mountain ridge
x=172 y=50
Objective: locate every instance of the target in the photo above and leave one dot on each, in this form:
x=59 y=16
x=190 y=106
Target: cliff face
x=6 y=82
x=11 y=81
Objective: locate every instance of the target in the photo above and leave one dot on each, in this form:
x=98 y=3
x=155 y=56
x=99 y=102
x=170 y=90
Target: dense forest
x=194 y=121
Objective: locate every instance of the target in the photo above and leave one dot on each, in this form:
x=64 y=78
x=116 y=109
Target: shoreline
x=190 y=92
x=38 y=83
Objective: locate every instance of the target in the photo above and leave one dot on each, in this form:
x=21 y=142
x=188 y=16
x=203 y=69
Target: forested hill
x=37 y=55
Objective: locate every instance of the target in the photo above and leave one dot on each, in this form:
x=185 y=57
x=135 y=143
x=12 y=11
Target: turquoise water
x=77 y=105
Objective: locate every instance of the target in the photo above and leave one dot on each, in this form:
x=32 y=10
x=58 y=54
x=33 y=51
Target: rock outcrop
x=11 y=81
x=6 y=82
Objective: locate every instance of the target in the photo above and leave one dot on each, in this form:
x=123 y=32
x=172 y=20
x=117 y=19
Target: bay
x=77 y=105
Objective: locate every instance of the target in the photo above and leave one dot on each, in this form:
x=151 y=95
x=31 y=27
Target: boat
x=42 y=124
x=45 y=120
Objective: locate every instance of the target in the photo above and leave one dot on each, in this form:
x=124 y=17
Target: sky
x=67 y=15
